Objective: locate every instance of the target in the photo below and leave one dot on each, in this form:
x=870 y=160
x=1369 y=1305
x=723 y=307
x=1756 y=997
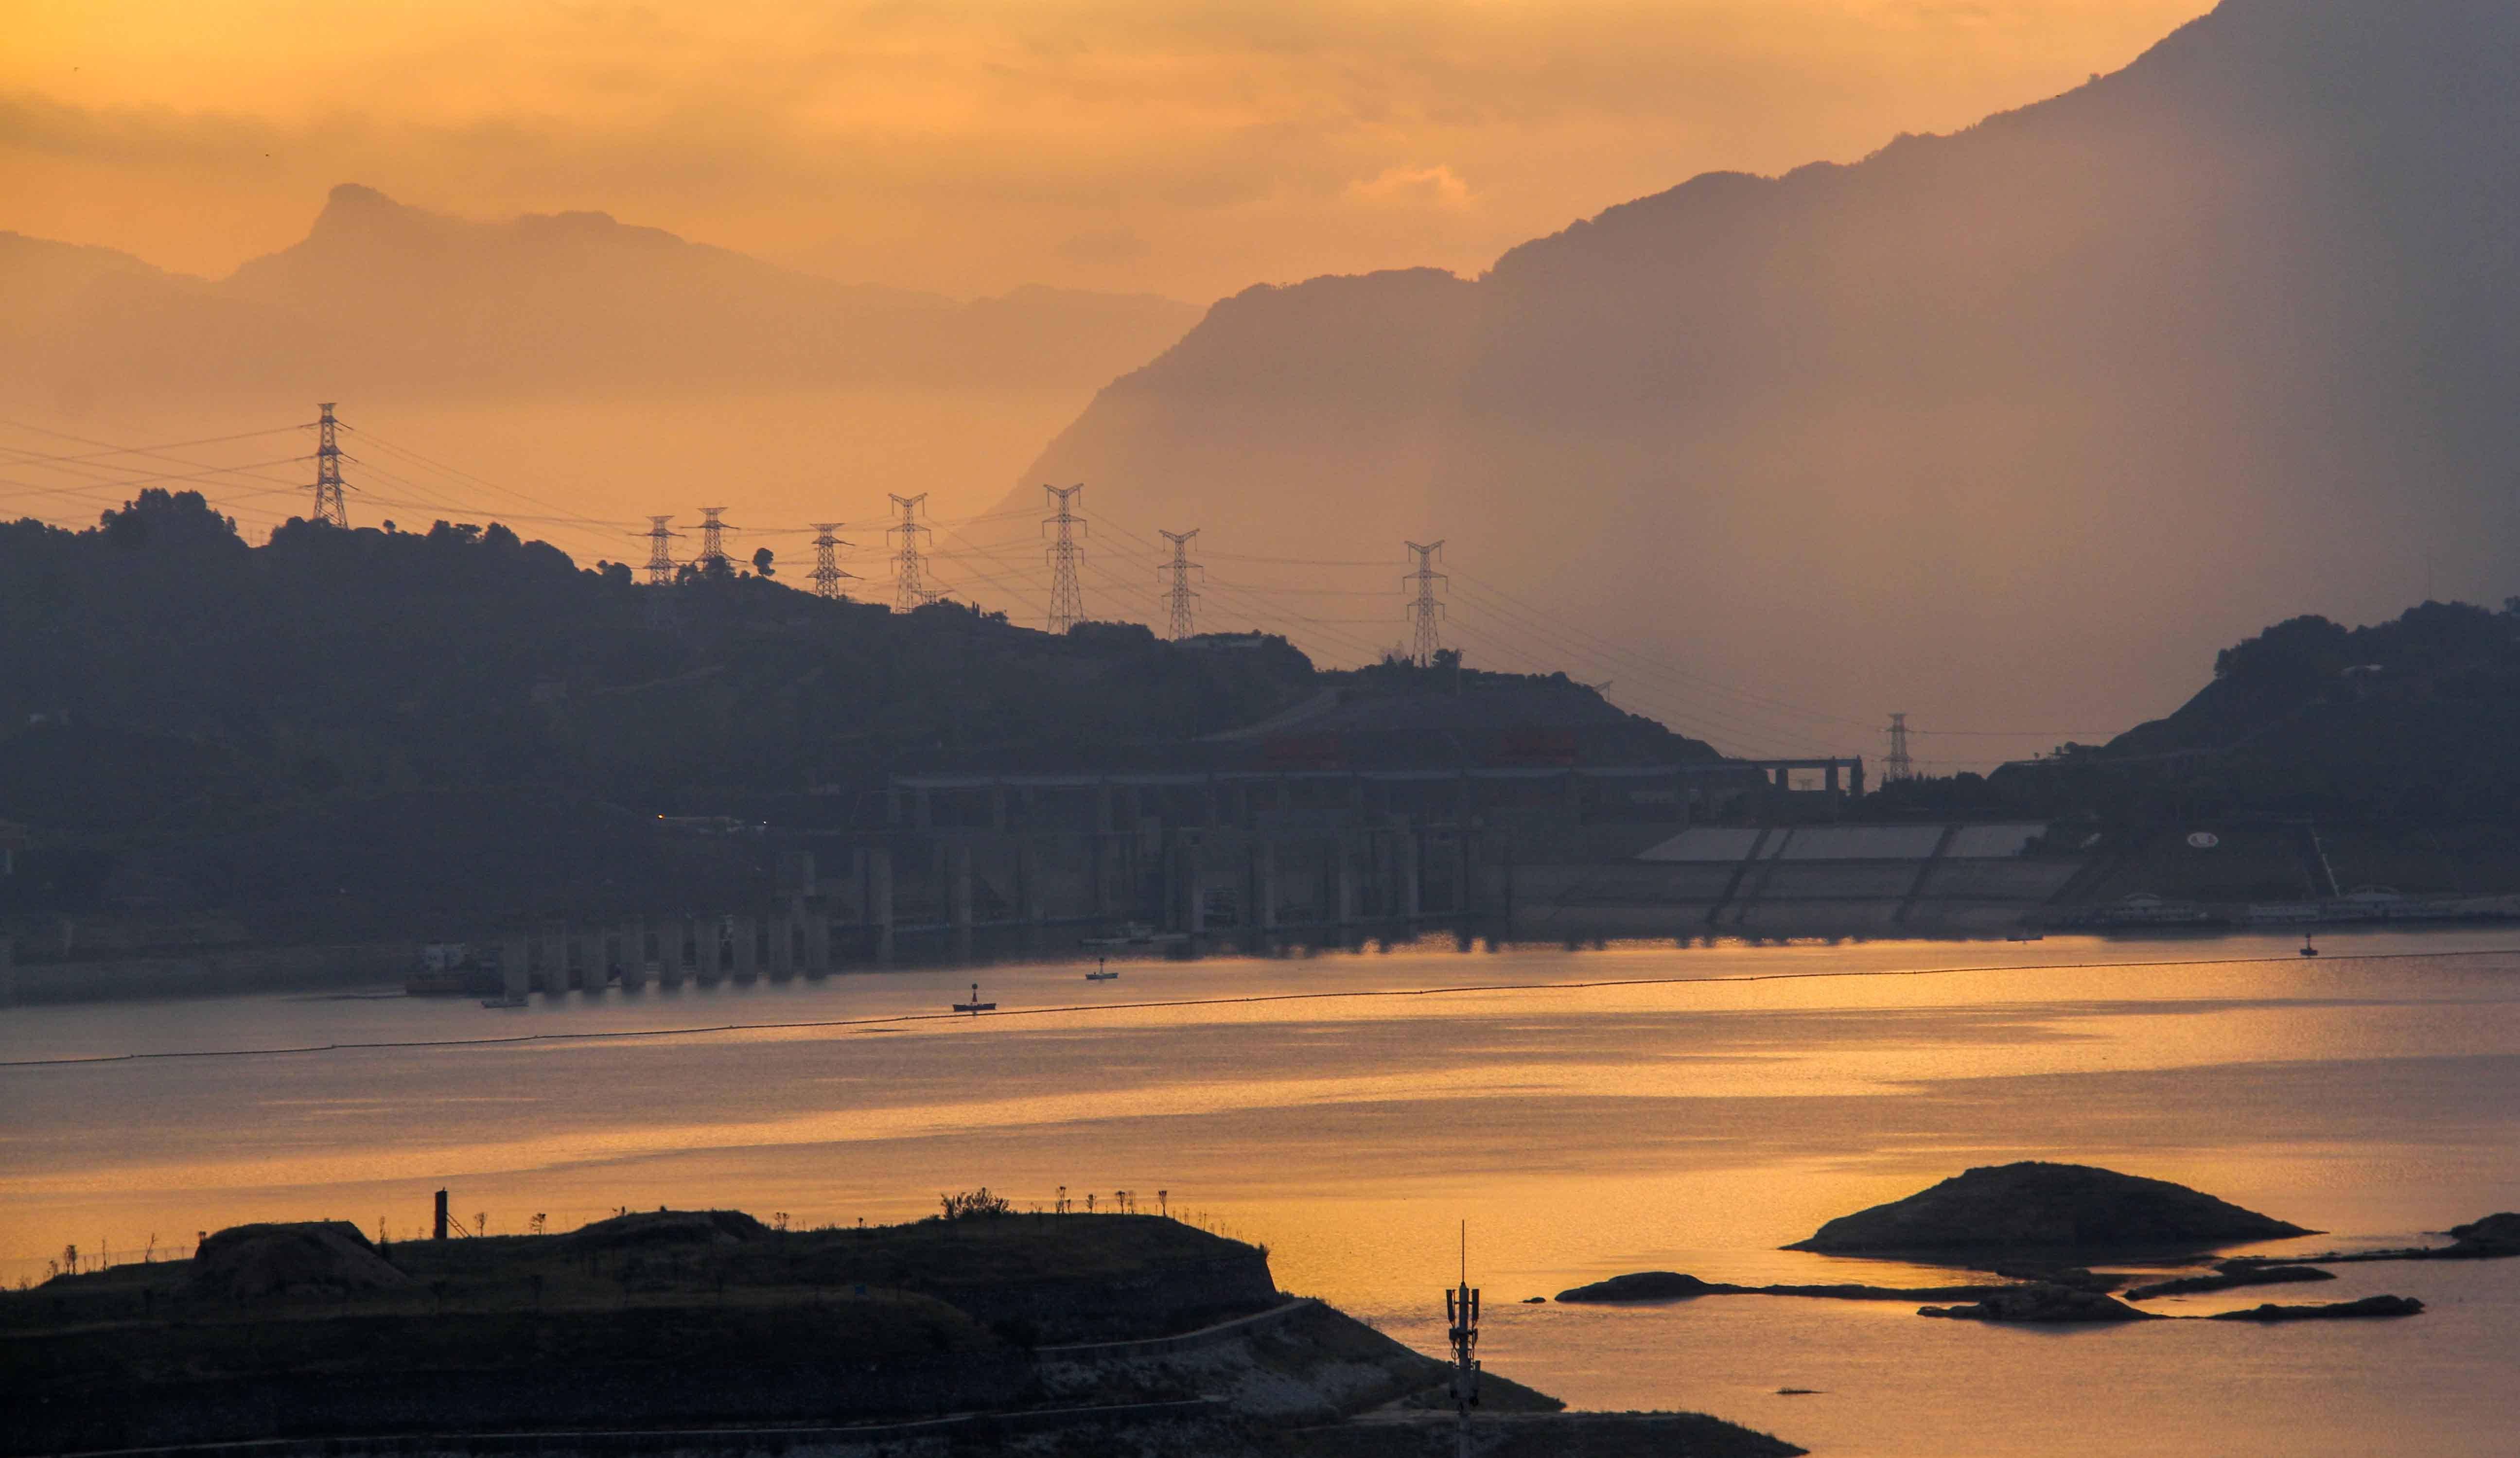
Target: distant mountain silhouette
x=384 y=299
x=2003 y=427
x=39 y=276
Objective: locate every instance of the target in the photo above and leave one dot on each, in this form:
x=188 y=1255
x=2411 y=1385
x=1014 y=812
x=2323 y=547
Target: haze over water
x=1588 y=1113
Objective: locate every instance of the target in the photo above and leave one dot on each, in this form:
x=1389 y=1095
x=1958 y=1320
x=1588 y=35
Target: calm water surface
x=1588 y=1113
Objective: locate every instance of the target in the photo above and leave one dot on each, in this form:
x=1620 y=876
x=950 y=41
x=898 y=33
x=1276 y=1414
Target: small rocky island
x=2038 y=1206
x=707 y=1332
x=2018 y=1222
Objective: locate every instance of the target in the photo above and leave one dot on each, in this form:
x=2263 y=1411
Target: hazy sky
x=1188 y=149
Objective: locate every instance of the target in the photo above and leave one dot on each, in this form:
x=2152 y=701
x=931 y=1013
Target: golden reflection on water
x=1581 y=1130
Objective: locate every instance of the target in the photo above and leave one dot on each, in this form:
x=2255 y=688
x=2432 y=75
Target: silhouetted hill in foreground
x=416 y=719
x=1999 y=429
x=2417 y=719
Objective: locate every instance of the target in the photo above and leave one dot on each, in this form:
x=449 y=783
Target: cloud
x=1415 y=187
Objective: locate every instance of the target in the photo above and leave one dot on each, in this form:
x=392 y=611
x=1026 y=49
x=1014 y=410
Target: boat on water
x=976 y=1005
x=511 y=1000
x=1102 y=973
x=1137 y=933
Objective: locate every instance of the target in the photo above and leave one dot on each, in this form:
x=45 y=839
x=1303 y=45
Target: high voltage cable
x=1266 y=615
x=1611 y=650
x=31 y=489
x=142 y=450
x=1739 y=727
x=1495 y=610
x=1308 y=561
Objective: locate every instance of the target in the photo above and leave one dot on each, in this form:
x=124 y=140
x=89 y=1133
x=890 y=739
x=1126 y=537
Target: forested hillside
x=420 y=722
x=2415 y=719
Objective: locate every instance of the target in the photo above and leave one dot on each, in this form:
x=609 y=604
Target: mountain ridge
x=2006 y=426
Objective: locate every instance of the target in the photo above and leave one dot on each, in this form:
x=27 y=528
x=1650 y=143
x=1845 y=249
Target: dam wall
x=1801 y=881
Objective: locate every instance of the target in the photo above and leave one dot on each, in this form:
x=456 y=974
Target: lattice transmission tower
x=827 y=573
x=329 y=506
x=1067 y=593
x=908 y=589
x=1425 y=610
x=1179 y=596
x=1898 y=766
x=660 y=551
x=712 y=557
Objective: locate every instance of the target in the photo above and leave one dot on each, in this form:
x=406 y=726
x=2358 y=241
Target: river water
x=1587 y=1112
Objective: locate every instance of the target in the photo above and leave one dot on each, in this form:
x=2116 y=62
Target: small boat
x=1137 y=933
x=976 y=1006
x=1102 y=973
x=512 y=1000
x=2027 y=936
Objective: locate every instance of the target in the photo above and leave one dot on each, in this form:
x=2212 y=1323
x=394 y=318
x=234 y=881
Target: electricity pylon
x=1425 y=610
x=660 y=551
x=1066 y=594
x=1180 y=596
x=1898 y=766
x=908 y=590
x=828 y=571
x=330 y=508
x=712 y=539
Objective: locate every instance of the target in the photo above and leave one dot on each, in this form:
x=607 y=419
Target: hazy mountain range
x=616 y=370
x=2006 y=428
x=379 y=297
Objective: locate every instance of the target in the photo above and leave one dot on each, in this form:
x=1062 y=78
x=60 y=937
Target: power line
x=25 y=459
x=120 y=483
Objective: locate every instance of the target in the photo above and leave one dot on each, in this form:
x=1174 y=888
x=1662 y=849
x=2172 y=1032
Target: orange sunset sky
x=1183 y=149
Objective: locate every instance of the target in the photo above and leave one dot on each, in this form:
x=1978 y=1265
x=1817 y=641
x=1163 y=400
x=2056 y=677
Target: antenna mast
x=1066 y=594
x=1898 y=766
x=907 y=591
x=1425 y=610
x=1462 y=1318
x=1180 y=596
x=828 y=571
x=329 y=505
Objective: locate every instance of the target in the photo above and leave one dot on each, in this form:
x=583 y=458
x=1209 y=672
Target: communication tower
x=1180 y=596
x=1066 y=594
x=1898 y=766
x=1425 y=610
x=1462 y=1319
x=330 y=508
x=828 y=571
x=660 y=551
x=908 y=590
